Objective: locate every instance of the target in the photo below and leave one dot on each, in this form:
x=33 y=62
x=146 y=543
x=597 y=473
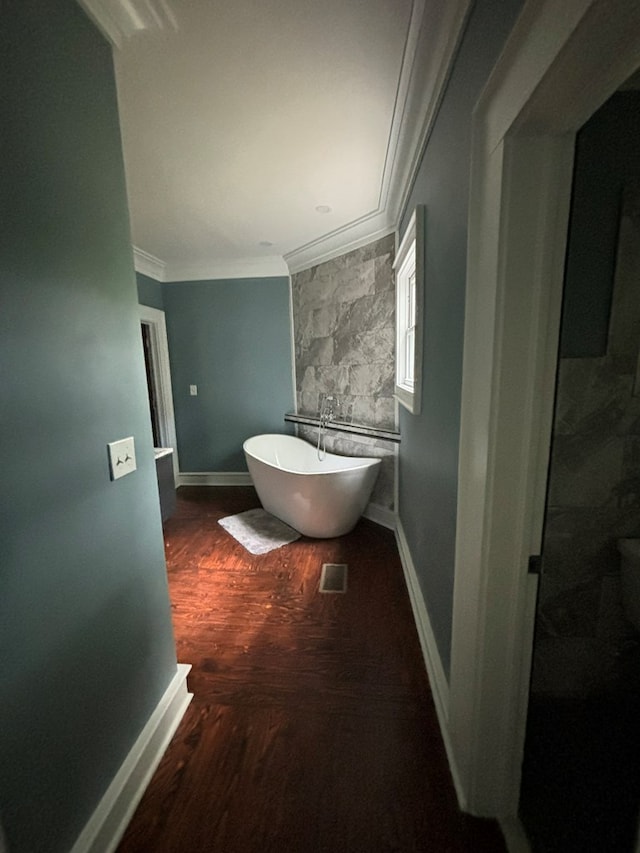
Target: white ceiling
x=244 y=120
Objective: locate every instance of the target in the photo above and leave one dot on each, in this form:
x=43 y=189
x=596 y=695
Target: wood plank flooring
x=312 y=728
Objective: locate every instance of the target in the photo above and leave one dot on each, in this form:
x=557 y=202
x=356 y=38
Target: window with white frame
x=409 y=267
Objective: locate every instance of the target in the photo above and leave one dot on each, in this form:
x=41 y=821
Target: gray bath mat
x=259 y=531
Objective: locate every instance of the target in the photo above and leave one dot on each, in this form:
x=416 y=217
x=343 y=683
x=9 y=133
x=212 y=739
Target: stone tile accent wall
x=344 y=333
x=594 y=493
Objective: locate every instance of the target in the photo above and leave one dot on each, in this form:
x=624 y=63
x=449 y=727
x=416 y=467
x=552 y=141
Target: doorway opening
x=554 y=73
x=151 y=383
x=156 y=357
x=581 y=771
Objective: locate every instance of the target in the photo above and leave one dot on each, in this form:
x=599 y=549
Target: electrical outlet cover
x=122 y=457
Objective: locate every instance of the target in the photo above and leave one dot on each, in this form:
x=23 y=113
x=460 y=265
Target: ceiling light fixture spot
x=323 y=208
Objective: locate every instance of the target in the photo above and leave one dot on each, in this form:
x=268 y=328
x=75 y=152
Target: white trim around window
x=409 y=267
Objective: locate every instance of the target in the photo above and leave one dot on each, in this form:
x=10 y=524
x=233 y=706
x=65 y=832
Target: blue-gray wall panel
x=429 y=448
x=233 y=340
x=150 y=292
x=86 y=644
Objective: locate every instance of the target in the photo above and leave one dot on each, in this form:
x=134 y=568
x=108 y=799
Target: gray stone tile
x=333 y=379
x=324 y=321
x=565 y=611
x=367 y=346
x=579 y=544
x=371 y=379
x=356 y=281
x=320 y=352
x=309 y=403
x=384 y=277
x=364 y=411
x=585 y=469
x=309 y=382
x=369 y=313
x=592 y=397
x=385 y=412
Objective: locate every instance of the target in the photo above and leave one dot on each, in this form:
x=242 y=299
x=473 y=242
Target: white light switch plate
x=122 y=457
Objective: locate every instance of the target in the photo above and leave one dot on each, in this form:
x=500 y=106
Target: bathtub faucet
x=327 y=409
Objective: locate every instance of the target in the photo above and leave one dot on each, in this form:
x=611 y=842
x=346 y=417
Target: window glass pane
x=411 y=294
x=409 y=355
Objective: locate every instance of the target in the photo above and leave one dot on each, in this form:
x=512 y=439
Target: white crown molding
x=433 y=36
x=118 y=20
x=271 y=265
x=443 y=26
x=148 y=264
x=334 y=245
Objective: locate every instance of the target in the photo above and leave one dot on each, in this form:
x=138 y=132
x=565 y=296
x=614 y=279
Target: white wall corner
x=431 y=655
x=148 y=264
x=107 y=824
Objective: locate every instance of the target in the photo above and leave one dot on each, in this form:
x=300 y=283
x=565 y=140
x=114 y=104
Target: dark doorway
x=581 y=772
x=151 y=384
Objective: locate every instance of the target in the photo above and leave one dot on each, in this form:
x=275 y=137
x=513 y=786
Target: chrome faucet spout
x=327 y=411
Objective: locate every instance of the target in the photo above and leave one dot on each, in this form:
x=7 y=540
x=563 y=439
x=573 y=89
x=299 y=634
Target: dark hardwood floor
x=312 y=728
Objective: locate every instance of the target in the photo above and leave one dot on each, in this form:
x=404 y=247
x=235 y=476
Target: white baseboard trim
x=107 y=824
x=214 y=478
x=433 y=662
x=514 y=835
x=381 y=515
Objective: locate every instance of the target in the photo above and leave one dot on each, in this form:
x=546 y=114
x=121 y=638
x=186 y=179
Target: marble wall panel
x=587 y=469
x=594 y=487
x=344 y=336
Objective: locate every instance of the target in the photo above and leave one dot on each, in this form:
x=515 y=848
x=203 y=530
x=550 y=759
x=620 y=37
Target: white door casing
x=561 y=62
x=154 y=318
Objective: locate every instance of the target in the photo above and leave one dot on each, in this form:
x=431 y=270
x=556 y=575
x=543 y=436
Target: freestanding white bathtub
x=318 y=498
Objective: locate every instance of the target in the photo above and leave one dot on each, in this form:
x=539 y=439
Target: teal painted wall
x=233 y=340
x=428 y=467
x=149 y=292
x=607 y=156
x=86 y=645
